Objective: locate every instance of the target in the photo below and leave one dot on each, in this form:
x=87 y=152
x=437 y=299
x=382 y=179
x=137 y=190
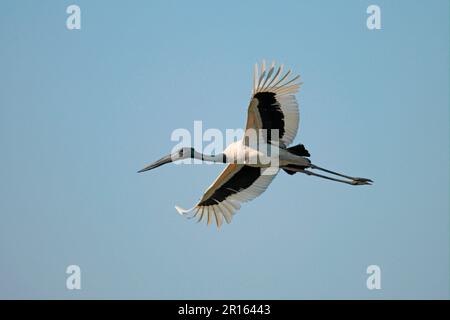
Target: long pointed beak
x=156 y=164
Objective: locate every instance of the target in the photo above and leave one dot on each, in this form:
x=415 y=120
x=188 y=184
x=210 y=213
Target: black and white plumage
x=273 y=104
x=273 y=110
x=238 y=183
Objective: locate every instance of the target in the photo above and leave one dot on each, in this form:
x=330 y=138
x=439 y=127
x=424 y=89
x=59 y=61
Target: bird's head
x=180 y=154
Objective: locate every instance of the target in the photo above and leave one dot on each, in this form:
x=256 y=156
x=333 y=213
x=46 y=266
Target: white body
x=262 y=155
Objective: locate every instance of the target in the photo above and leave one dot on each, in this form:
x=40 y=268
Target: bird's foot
x=361 y=181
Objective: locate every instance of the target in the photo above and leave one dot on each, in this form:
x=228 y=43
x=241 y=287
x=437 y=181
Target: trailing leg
x=360 y=180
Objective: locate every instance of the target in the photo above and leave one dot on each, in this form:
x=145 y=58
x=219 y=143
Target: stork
x=273 y=108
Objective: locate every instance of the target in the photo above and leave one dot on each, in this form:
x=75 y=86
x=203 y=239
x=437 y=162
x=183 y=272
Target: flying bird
x=273 y=110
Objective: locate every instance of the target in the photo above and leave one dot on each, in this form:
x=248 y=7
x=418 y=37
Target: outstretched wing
x=273 y=105
x=236 y=184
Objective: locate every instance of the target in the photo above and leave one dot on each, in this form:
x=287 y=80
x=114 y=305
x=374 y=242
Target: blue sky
x=81 y=111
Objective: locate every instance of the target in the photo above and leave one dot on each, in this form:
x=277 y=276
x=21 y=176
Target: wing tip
x=270 y=82
x=182 y=211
